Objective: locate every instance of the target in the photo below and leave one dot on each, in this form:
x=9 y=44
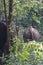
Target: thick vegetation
x=21 y=53
x=25 y=13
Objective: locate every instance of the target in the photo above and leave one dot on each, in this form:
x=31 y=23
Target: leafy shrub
x=21 y=53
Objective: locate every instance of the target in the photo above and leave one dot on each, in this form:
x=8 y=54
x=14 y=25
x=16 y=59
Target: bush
x=21 y=53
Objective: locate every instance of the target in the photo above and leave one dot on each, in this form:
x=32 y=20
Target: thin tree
x=5 y=12
x=8 y=21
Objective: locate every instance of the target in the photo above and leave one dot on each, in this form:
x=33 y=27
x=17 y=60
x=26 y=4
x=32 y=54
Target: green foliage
x=28 y=12
x=21 y=53
x=25 y=13
x=21 y=8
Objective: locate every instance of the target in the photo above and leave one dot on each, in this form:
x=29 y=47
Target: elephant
x=31 y=33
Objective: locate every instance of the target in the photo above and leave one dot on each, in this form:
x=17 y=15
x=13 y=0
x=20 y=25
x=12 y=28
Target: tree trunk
x=9 y=21
x=5 y=10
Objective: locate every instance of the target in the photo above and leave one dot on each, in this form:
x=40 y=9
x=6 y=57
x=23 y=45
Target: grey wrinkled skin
x=31 y=33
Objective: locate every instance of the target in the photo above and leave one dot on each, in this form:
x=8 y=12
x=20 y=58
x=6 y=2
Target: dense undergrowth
x=21 y=53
